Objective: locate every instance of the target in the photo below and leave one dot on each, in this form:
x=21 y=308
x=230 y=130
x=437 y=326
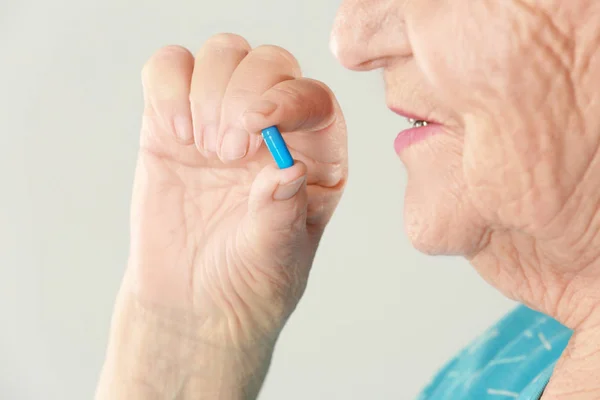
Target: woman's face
x=511 y=84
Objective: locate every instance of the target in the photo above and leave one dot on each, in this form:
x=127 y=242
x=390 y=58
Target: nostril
x=351 y=46
x=369 y=35
x=352 y=59
x=346 y=53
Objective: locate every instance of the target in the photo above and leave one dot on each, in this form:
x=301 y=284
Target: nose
x=369 y=33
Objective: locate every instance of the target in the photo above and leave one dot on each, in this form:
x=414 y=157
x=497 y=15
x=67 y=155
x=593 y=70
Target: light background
x=378 y=318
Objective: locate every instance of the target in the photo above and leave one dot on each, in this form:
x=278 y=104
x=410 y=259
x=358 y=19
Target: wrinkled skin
x=513 y=184
x=210 y=241
x=222 y=241
x=221 y=253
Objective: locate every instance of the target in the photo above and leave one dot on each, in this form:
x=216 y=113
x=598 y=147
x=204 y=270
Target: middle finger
x=263 y=68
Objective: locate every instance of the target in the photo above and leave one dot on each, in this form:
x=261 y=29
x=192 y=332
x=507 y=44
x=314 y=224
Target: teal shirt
x=514 y=359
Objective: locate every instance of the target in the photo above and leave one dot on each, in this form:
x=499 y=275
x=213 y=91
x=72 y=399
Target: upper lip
x=412 y=115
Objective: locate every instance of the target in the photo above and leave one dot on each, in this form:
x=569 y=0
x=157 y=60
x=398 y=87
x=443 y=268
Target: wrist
x=159 y=354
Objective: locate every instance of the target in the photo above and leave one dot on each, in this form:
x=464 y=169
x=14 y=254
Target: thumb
x=277 y=204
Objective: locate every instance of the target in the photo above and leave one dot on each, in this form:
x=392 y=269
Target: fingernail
x=289 y=190
x=263 y=107
x=234 y=145
x=183 y=128
x=210 y=139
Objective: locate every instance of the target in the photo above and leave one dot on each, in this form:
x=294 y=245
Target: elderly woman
x=504 y=169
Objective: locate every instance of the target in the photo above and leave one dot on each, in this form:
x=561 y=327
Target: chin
x=438 y=217
x=429 y=226
x=441 y=228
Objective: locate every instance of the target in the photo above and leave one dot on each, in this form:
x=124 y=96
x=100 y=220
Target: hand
x=220 y=236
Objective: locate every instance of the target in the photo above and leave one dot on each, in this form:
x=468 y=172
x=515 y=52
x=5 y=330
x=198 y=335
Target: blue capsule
x=277 y=147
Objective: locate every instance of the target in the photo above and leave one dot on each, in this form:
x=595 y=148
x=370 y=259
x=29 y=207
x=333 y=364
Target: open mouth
x=417 y=123
x=420 y=129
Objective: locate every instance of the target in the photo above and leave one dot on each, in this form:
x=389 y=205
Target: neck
x=562 y=283
x=576 y=376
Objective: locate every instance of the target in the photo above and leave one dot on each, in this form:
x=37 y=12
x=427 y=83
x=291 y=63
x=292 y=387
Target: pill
x=277 y=147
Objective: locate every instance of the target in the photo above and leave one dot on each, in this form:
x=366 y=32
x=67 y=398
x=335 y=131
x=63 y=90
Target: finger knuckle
x=163 y=59
x=228 y=40
x=276 y=53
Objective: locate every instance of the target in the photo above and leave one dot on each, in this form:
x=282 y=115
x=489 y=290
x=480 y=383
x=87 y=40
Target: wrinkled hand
x=219 y=234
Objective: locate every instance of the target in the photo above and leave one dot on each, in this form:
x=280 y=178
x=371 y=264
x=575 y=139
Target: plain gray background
x=378 y=318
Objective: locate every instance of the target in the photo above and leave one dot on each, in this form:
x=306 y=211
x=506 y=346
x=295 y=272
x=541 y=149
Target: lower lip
x=411 y=136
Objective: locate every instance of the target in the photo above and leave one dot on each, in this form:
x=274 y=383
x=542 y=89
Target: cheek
x=460 y=45
x=508 y=75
